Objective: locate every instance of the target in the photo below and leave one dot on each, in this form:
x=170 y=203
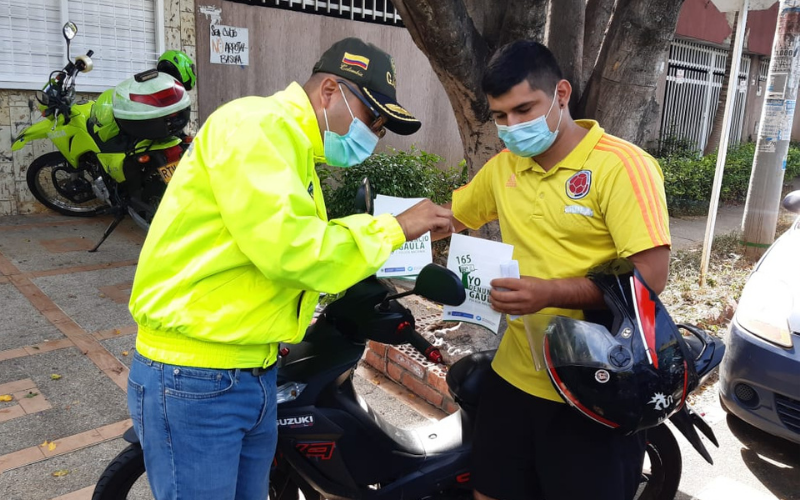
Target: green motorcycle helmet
x=178 y=65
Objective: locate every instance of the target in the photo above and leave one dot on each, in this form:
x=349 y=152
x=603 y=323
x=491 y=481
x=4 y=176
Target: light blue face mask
x=352 y=148
x=530 y=138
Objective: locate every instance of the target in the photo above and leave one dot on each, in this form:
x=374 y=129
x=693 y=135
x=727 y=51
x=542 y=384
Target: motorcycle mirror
x=792 y=202
x=363 y=201
x=70 y=30
x=440 y=284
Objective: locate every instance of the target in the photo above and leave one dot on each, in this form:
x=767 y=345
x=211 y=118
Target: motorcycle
x=115 y=155
x=332 y=445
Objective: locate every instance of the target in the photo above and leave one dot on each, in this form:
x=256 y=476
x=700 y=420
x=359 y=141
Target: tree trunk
x=566 y=42
x=621 y=93
x=598 y=16
x=458 y=53
x=716 y=129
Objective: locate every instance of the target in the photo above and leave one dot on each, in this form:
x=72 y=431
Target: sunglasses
x=377 y=126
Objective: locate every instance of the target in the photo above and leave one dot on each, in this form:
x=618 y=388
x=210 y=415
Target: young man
x=234 y=262
x=568 y=196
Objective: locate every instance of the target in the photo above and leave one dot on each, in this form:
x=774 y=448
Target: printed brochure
x=478 y=262
x=408 y=260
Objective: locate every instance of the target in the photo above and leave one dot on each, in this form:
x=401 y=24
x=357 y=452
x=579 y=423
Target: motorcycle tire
x=121 y=474
x=41 y=179
x=666 y=465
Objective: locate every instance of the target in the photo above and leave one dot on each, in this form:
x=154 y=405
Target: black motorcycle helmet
x=628 y=368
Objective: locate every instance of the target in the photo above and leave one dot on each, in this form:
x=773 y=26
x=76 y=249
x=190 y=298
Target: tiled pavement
x=64 y=313
x=66 y=340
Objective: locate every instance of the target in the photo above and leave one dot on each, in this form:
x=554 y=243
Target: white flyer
x=478 y=262
x=409 y=259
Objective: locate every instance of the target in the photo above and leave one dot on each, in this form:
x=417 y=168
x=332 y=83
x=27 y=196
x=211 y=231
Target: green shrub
x=407 y=174
x=688 y=178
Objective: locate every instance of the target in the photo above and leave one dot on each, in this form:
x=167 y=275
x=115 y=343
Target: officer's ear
x=327 y=88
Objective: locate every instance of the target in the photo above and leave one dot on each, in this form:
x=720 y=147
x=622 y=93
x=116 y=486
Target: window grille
x=125 y=37
x=694 y=81
x=370 y=11
x=763 y=69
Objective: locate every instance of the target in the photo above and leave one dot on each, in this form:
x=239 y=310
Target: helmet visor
x=562 y=342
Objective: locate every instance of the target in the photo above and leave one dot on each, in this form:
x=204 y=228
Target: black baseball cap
x=373 y=71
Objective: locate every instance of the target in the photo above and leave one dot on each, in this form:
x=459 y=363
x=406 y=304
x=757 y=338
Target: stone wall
x=18 y=111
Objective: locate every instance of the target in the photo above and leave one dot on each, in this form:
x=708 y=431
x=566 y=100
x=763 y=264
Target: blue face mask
x=352 y=148
x=530 y=138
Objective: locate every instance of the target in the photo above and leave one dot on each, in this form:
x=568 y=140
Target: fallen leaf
x=49 y=445
x=31 y=395
x=6 y=397
x=124 y=353
x=55 y=376
x=60 y=473
x=117 y=332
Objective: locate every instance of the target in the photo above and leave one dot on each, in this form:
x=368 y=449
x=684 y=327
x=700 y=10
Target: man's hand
x=423 y=217
x=529 y=295
x=520 y=296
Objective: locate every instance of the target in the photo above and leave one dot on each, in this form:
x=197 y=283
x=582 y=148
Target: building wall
x=284 y=45
x=700 y=19
x=18 y=111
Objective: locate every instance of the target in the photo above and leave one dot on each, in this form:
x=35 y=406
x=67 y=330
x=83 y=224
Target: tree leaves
x=6 y=397
x=61 y=473
x=55 y=376
x=50 y=445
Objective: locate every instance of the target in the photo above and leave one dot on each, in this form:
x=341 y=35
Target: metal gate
x=694 y=80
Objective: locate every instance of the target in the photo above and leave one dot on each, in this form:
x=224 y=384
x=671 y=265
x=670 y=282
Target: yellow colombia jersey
x=604 y=200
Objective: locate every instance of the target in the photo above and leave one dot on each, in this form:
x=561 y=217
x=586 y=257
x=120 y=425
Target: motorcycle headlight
x=290 y=391
x=764 y=309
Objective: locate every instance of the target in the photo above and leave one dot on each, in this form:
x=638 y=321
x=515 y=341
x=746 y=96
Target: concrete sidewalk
x=688 y=232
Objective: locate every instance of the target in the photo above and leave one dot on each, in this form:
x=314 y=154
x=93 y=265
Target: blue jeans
x=205 y=433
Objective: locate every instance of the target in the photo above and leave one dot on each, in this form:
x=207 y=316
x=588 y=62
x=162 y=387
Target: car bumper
x=760 y=383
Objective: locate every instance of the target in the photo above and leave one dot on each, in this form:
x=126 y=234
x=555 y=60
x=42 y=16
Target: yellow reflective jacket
x=241 y=247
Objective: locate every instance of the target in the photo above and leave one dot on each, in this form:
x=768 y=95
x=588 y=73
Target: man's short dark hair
x=518 y=61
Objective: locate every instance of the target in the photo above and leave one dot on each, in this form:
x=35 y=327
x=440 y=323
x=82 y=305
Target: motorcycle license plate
x=167 y=171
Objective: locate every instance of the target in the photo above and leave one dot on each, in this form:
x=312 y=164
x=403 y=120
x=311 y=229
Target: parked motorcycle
x=115 y=155
x=332 y=445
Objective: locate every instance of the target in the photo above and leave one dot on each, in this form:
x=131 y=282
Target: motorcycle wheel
x=59 y=186
x=121 y=475
x=661 y=480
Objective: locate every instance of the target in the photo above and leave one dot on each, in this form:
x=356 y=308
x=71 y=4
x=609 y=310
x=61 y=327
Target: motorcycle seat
x=465 y=377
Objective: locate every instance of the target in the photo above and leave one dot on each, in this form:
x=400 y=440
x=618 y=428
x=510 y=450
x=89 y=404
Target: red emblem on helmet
x=578 y=185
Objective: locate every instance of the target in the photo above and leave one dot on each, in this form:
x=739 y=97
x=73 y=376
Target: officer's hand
x=519 y=296
x=423 y=217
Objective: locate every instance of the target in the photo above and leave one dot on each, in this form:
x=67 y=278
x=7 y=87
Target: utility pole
x=730 y=100
x=774 y=131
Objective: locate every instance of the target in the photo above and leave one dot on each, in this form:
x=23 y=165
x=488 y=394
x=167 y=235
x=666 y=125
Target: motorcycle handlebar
x=427 y=349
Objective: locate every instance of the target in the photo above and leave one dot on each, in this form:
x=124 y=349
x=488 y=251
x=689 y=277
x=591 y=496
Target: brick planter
x=409 y=368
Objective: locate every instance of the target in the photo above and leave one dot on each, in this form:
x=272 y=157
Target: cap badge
x=354 y=60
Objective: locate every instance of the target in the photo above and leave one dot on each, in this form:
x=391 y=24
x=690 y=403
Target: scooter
x=115 y=155
x=332 y=445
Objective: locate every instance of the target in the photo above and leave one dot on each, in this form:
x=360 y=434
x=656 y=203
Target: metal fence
x=371 y=11
x=694 y=80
